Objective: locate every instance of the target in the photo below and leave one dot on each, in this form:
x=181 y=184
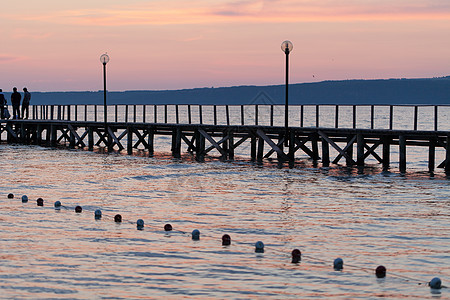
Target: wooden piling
x=360 y=150
x=325 y=153
x=386 y=152
x=431 y=155
x=129 y=140
x=151 y=141
x=264 y=141
x=402 y=153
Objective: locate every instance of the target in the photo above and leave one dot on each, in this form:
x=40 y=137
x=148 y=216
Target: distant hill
x=383 y=91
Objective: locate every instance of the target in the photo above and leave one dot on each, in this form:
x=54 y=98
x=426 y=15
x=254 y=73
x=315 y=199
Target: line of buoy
x=338 y=263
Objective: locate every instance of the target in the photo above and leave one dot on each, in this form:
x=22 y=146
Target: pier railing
x=404 y=117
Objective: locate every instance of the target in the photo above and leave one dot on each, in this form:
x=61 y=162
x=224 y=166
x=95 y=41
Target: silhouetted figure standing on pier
x=15 y=101
x=3 y=104
x=25 y=102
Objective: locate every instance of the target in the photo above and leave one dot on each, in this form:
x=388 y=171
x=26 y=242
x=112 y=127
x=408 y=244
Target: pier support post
x=71 y=139
x=315 y=148
x=281 y=137
x=260 y=154
x=291 y=153
x=432 y=155
x=90 y=138
x=176 y=143
x=8 y=132
x=53 y=131
x=200 y=145
x=129 y=140
x=38 y=134
x=23 y=136
x=253 y=147
x=402 y=153
x=349 y=161
x=225 y=146
x=230 y=145
x=151 y=142
x=386 y=153
x=360 y=150
x=325 y=153
x=47 y=135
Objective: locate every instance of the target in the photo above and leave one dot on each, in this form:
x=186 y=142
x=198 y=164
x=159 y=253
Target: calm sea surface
x=370 y=219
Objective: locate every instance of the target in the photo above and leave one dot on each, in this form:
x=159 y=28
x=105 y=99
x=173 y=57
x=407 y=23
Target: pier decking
x=352 y=146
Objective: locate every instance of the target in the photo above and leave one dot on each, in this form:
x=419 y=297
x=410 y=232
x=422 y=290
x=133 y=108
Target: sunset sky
x=54 y=45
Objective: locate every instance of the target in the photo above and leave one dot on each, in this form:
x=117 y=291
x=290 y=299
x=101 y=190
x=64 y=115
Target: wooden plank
x=211 y=140
x=220 y=142
x=90 y=138
x=360 y=150
x=301 y=145
x=176 y=143
x=75 y=133
x=115 y=140
x=141 y=138
x=342 y=152
x=11 y=133
x=260 y=152
x=274 y=146
x=129 y=140
x=325 y=153
x=371 y=150
x=431 y=155
x=402 y=153
x=272 y=151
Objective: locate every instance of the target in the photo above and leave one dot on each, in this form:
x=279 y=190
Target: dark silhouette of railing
x=345 y=116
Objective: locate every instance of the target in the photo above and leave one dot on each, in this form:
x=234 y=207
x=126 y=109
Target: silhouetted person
x=15 y=101
x=3 y=104
x=25 y=102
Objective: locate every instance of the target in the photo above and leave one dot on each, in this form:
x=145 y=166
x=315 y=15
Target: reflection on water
x=367 y=219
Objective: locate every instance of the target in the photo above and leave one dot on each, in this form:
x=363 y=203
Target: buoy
x=226 y=240
x=98 y=214
x=140 y=224
x=435 y=283
x=10 y=196
x=338 y=264
x=78 y=209
x=259 y=247
x=40 y=202
x=380 y=272
x=168 y=227
x=296 y=256
x=195 y=234
x=57 y=204
x=118 y=218
x=24 y=198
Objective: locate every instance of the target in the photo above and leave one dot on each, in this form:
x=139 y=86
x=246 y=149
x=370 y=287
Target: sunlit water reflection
x=401 y=222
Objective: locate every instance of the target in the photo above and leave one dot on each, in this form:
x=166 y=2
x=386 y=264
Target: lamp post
x=286 y=47
x=104 y=59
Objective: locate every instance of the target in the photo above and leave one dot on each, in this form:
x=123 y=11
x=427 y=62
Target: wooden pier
x=353 y=146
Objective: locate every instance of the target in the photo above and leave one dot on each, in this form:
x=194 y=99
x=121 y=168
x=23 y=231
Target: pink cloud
x=5 y=58
x=279 y=11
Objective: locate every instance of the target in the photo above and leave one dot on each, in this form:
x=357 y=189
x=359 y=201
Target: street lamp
x=104 y=59
x=286 y=47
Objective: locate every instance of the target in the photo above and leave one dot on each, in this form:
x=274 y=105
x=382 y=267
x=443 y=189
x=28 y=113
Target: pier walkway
x=61 y=126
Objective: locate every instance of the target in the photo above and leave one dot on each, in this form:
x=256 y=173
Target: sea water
x=372 y=219
x=367 y=218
